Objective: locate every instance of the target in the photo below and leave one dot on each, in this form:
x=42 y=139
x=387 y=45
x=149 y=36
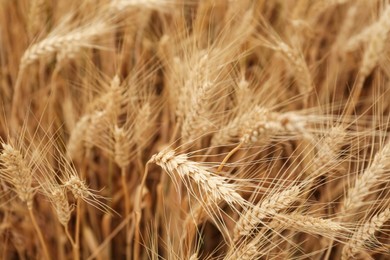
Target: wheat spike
x=91 y=126
x=327 y=151
x=262 y=123
x=365 y=182
x=75 y=144
x=37 y=16
x=80 y=37
x=121 y=5
x=270 y=206
x=59 y=200
x=215 y=186
x=122 y=155
x=199 y=87
x=309 y=224
x=248 y=251
x=364 y=234
x=302 y=73
x=143 y=125
x=372 y=55
x=17 y=172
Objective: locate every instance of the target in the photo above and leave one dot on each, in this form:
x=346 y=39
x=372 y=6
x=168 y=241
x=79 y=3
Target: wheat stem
x=230 y=154
x=39 y=233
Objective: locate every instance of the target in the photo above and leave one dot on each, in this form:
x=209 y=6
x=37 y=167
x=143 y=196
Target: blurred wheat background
x=194 y=129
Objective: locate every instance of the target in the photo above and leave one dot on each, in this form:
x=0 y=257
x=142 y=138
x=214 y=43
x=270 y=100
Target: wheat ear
x=372 y=54
x=121 y=5
x=364 y=234
x=247 y=251
x=59 y=200
x=370 y=177
x=37 y=16
x=327 y=151
x=270 y=206
x=215 y=186
x=262 y=123
x=299 y=65
x=17 y=172
x=55 y=43
x=309 y=224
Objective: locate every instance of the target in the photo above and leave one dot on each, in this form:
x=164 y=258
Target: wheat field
x=194 y=129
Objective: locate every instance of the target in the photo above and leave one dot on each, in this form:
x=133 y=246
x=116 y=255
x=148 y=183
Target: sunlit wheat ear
x=364 y=234
x=268 y=207
x=309 y=224
x=211 y=184
x=144 y=124
x=54 y=43
x=122 y=146
x=81 y=191
x=110 y=98
x=122 y=5
x=244 y=98
x=373 y=175
x=372 y=55
x=369 y=33
x=37 y=16
x=300 y=68
x=16 y=171
x=262 y=123
x=91 y=126
x=255 y=246
x=195 y=99
x=327 y=151
x=59 y=200
x=362 y=37
x=84 y=133
x=247 y=251
x=114 y=97
x=71 y=181
x=75 y=146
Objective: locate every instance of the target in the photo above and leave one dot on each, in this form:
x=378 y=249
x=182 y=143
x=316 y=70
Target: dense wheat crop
x=194 y=129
